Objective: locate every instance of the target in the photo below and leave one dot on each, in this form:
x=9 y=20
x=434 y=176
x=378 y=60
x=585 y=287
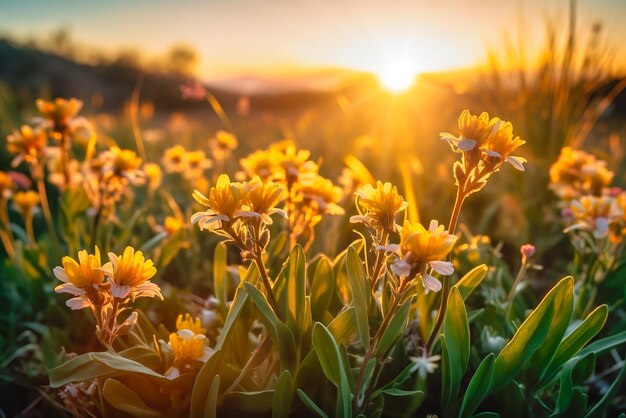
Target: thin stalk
x=28 y=222
x=6 y=235
x=509 y=300
x=380 y=259
x=47 y=214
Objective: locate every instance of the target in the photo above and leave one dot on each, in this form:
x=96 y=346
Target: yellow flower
x=187 y=348
x=187 y=322
x=502 y=143
x=28 y=143
x=224 y=202
x=223 y=144
x=6 y=185
x=262 y=198
x=154 y=175
x=172 y=225
x=26 y=202
x=130 y=275
x=322 y=195
x=379 y=206
x=197 y=163
x=81 y=279
x=421 y=248
x=594 y=214
x=175 y=159
x=60 y=111
x=474 y=131
x=259 y=163
x=293 y=161
x=577 y=173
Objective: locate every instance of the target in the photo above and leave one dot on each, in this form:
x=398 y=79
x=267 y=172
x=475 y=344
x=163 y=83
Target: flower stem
x=45 y=207
x=6 y=235
x=516 y=282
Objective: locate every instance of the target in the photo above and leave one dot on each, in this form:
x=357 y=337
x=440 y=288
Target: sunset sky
x=246 y=36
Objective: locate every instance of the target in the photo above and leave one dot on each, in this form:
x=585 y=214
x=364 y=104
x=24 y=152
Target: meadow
x=457 y=249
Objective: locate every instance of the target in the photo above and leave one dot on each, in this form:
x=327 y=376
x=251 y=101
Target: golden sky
x=247 y=36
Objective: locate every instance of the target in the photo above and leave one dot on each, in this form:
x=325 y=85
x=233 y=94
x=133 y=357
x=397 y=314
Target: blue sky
x=246 y=36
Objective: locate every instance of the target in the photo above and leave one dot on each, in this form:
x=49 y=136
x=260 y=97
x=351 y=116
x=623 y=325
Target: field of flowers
x=461 y=265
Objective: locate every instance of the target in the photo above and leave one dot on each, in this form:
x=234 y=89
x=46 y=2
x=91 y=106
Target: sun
x=397 y=76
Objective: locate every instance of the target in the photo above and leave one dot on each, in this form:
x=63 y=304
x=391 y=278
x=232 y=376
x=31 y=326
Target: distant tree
x=182 y=59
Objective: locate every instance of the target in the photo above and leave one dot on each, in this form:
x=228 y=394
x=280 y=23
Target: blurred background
x=372 y=79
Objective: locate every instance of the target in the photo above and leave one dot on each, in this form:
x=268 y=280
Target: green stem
x=509 y=300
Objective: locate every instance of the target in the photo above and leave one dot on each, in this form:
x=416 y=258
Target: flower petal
x=431 y=283
x=442 y=267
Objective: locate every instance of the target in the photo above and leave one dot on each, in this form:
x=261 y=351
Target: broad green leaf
x=400 y=392
x=93 y=365
x=309 y=403
x=394 y=330
x=360 y=294
x=529 y=336
x=343 y=327
x=471 y=280
x=330 y=359
x=322 y=288
x=281 y=335
x=249 y=403
x=456 y=332
x=205 y=389
x=220 y=276
x=478 y=387
x=605 y=344
x=566 y=387
x=563 y=303
x=122 y=398
x=577 y=339
x=283 y=396
x=296 y=291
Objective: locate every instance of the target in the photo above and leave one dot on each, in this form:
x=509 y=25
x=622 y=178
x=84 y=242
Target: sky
x=242 y=37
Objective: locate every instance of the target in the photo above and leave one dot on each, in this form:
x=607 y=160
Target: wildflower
x=474 y=132
x=56 y=173
x=527 y=250
x=175 y=159
x=28 y=143
x=82 y=279
x=81 y=131
x=187 y=322
x=123 y=163
x=197 y=163
x=425 y=364
x=222 y=144
x=421 y=248
x=26 y=202
x=6 y=185
x=262 y=199
x=577 y=173
x=130 y=275
x=259 y=163
x=59 y=112
x=187 y=347
x=153 y=174
x=379 y=206
x=171 y=225
x=224 y=203
x=322 y=195
x=502 y=143
x=293 y=161
x=593 y=214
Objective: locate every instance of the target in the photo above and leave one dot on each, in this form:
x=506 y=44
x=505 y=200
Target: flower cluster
x=485 y=143
x=106 y=289
x=577 y=173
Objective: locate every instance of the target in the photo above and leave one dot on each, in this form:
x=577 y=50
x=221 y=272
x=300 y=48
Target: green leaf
x=296 y=291
x=605 y=344
x=394 y=330
x=281 y=335
x=249 y=403
x=566 y=387
x=471 y=280
x=94 y=365
x=456 y=332
x=122 y=398
x=322 y=289
x=283 y=396
x=478 y=387
x=210 y=408
x=343 y=327
x=577 y=339
x=599 y=409
x=563 y=303
x=400 y=392
x=360 y=294
x=528 y=338
x=309 y=403
x=330 y=359
x=220 y=276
